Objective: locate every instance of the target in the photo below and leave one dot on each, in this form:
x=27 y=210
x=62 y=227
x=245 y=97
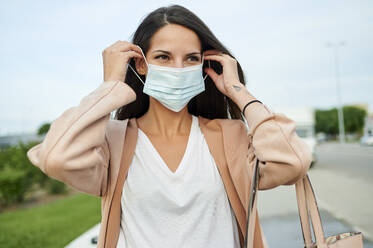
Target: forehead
x=176 y=39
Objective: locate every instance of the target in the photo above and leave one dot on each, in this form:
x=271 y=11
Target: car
x=367 y=140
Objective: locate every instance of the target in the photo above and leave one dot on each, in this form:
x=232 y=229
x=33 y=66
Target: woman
x=174 y=167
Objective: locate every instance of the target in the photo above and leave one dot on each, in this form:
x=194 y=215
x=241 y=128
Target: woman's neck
x=160 y=121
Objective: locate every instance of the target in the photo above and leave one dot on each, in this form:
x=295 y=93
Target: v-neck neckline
x=181 y=164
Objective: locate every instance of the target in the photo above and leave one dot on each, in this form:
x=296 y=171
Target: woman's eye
x=193 y=58
x=162 y=57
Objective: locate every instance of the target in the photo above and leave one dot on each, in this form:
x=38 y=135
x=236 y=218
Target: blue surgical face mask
x=173 y=87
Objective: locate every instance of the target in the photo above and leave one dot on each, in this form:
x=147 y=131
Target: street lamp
x=338 y=83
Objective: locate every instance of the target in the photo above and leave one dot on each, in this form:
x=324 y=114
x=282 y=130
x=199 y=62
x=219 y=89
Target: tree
x=327 y=120
x=354 y=119
x=43 y=129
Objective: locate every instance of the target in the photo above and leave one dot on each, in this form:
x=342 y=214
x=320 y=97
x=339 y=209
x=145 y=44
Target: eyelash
x=195 y=58
x=160 y=56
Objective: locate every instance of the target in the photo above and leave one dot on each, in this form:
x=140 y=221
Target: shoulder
x=233 y=123
x=232 y=133
x=226 y=126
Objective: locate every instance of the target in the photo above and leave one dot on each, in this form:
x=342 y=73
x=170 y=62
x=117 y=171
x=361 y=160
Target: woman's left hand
x=228 y=81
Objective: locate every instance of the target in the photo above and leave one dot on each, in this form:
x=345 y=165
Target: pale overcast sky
x=50 y=51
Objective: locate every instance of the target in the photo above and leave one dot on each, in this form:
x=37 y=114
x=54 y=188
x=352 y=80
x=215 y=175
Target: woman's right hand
x=116 y=57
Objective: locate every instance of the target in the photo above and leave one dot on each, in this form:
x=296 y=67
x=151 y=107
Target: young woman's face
x=173 y=46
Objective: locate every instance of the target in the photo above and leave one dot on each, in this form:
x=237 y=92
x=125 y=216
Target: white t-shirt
x=187 y=208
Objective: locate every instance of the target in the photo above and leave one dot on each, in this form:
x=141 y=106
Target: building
x=368 y=126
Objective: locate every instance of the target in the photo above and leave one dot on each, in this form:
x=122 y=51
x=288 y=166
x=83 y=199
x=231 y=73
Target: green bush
x=19 y=176
x=55 y=187
x=12 y=185
x=16 y=174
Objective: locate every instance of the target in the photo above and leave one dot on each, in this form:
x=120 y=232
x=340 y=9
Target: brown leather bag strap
x=113 y=225
x=303 y=213
x=252 y=211
x=307 y=204
x=307 y=207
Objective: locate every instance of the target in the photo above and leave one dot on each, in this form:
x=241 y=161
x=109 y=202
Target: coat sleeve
x=284 y=157
x=75 y=149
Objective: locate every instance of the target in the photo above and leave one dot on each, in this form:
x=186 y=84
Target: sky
x=50 y=51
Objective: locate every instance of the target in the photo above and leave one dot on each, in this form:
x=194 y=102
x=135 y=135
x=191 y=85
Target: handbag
x=308 y=212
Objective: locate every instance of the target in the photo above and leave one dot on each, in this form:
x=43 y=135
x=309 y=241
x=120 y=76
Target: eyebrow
x=167 y=52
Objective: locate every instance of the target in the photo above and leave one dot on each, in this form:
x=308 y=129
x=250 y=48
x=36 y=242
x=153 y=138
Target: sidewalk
x=346 y=204
x=84 y=240
x=347 y=198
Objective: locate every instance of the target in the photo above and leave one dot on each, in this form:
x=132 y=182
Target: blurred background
x=310 y=60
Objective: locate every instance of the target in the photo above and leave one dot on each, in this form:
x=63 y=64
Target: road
x=348 y=159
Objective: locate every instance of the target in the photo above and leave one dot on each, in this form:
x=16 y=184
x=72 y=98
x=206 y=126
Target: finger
x=228 y=57
x=212 y=74
x=132 y=54
x=212 y=52
x=115 y=44
x=126 y=46
x=218 y=58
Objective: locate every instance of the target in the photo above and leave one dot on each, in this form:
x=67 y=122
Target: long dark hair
x=209 y=104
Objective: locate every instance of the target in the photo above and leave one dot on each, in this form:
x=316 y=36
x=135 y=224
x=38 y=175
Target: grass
x=50 y=225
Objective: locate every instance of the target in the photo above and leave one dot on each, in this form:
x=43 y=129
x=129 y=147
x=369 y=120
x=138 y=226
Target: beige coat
x=84 y=147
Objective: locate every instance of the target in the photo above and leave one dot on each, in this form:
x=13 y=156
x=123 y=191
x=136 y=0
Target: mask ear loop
x=128 y=65
x=203 y=59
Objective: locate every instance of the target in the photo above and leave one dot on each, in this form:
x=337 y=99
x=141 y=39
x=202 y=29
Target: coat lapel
x=213 y=133
x=236 y=147
x=228 y=142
